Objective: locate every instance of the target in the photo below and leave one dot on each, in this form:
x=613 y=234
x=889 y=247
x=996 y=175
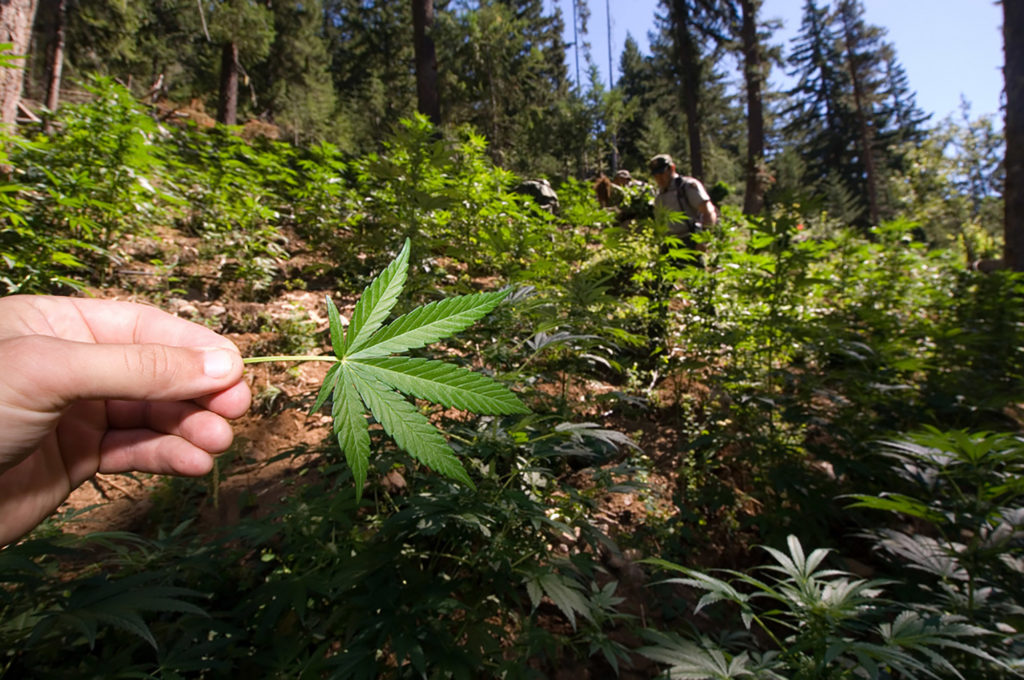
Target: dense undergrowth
x=855 y=394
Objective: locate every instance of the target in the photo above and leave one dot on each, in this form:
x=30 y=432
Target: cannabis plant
x=232 y=193
x=804 y=622
x=963 y=494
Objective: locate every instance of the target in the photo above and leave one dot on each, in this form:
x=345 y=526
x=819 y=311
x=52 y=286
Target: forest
x=588 y=450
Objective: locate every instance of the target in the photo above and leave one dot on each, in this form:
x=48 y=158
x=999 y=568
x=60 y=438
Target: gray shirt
x=685 y=195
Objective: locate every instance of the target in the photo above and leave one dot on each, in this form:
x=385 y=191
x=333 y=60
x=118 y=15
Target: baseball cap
x=660 y=163
x=623 y=174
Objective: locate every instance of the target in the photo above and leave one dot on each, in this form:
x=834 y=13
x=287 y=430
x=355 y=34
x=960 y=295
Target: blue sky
x=949 y=48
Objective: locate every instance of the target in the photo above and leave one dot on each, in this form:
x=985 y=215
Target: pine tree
x=666 y=124
x=1013 y=45
x=900 y=120
x=906 y=117
x=55 y=60
x=580 y=21
x=852 y=112
x=862 y=45
x=127 y=40
x=370 y=46
x=634 y=85
x=428 y=101
x=294 y=81
x=664 y=120
x=755 y=75
x=506 y=76
x=817 y=111
x=693 y=22
x=541 y=75
x=244 y=30
x=174 y=52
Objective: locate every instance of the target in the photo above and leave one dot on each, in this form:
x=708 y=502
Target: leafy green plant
x=318 y=192
x=233 y=194
x=964 y=493
x=816 y=623
x=366 y=374
x=73 y=196
x=975 y=370
x=821 y=338
x=33 y=259
x=92 y=177
x=47 y=609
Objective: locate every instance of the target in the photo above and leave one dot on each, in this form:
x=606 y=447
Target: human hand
x=91 y=386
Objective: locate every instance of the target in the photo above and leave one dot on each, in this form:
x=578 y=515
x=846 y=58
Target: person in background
x=541 y=192
x=681 y=194
x=104 y=386
x=608 y=193
x=624 y=179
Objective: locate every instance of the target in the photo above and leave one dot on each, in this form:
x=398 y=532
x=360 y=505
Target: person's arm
x=696 y=196
x=93 y=386
x=708 y=214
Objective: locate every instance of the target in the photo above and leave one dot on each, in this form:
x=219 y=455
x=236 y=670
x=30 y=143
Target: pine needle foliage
x=369 y=377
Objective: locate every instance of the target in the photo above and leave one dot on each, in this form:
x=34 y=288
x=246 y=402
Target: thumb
x=56 y=372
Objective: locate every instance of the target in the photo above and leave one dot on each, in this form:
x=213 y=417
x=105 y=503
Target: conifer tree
x=664 y=121
x=429 y=103
x=540 y=75
x=506 y=76
x=691 y=76
x=634 y=85
x=132 y=41
x=904 y=121
x=294 y=80
x=817 y=111
x=694 y=22
x=1013 y=46
x=862 y=45
x=244 y=30
x=580 y=21
x=899 y=127
x=55 y=60
x=755 y=75
x=666 y=125
x=44 y=69
x=852 y=111
x=370 y=47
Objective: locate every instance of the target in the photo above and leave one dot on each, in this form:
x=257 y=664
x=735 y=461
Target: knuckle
x=150 y=362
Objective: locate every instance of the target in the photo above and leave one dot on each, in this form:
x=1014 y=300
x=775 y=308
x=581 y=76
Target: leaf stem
x=289 y=357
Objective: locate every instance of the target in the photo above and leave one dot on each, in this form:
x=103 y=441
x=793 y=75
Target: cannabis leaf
x=367 y=375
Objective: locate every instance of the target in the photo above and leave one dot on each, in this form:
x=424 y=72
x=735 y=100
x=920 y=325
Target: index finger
x=124 y=322
x=106 y=322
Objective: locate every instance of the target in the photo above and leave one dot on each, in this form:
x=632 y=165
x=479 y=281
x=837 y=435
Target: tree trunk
x=429 y=104
x=56 y=66
x=690 y=68
x=1013 y=193
x=227 y=110
x=865 y=136
x=496 y=145
x=16 y=18
x=753 y=73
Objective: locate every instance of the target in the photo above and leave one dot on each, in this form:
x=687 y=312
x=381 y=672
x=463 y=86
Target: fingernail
x=217 y=363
